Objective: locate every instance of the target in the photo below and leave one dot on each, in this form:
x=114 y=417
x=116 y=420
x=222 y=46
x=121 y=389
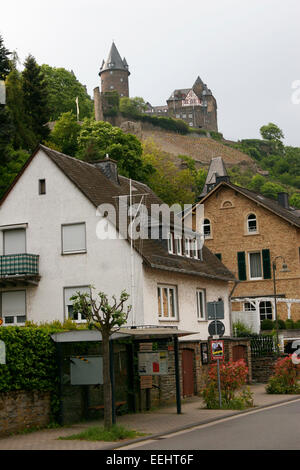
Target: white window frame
x=15 y=322
x=71 y=252
x=249 y=231
x=264 y=313
x=66 y=304
x=249 y=266
x=178 y=246
x=187 y=247
x=171 y=243
x=169 y=317
x=201 y=312
x=209 y=235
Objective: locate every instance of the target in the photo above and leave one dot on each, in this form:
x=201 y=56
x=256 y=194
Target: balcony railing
x=23 y=264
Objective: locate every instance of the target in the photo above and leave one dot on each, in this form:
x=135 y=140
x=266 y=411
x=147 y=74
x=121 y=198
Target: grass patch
x=98 y=433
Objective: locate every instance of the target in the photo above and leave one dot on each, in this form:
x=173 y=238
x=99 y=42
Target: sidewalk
x=154 y=423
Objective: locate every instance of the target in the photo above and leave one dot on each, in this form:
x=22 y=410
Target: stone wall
x=21 y=410
x=263 y=368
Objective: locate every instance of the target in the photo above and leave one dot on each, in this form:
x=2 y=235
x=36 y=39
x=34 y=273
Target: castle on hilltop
x=196 y=105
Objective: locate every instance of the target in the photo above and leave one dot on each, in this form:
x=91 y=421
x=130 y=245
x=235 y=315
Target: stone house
x=249 y=232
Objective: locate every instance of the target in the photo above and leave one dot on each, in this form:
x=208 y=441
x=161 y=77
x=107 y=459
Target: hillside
x=201 y=149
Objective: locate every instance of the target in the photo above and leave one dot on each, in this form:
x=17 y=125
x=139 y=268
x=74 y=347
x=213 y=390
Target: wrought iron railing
x=20 y=264
x=262 y=346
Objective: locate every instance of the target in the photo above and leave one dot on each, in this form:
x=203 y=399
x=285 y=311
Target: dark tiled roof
x=99 y=189
x=290 y=215
x=114 y=60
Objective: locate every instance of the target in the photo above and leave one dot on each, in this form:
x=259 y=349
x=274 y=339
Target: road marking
x=206 y=425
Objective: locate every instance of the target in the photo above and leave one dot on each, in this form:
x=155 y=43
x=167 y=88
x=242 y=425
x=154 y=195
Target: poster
x=217 y=349
x=153 y=363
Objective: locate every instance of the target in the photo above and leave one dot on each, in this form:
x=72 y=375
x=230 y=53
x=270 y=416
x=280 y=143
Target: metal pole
x=112 y=379
x=275 y=298
x=219 y=383
x=177 y=377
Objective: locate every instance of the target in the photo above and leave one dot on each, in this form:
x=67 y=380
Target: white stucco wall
x=187 y=303
x=106 y=264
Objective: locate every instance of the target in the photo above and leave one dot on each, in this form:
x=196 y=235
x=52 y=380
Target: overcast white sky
x=247 y=51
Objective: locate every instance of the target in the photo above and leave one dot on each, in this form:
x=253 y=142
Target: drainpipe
x=230 y=306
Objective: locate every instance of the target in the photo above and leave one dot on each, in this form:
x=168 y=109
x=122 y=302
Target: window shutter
x=242 y=265
x=14 y=241
x=73 y=237
x=266 y=264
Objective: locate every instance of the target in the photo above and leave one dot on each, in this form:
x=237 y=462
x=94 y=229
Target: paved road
x=275 y=428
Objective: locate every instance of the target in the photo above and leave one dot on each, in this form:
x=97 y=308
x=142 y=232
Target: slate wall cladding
x=21 y=410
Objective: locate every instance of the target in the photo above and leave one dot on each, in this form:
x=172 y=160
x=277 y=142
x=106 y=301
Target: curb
x=200 y=423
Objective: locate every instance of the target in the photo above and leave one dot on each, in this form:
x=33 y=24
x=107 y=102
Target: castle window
x=111 y=72
x=190 y=124
x=121 y=79
x=251 y=223
x=184 y=115
x=111 y=87
x=178 y=115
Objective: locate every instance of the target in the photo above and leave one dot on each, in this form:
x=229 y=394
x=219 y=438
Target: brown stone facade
x=21 y=410
x=196 y=116
x=115 y=80
x=227 y=210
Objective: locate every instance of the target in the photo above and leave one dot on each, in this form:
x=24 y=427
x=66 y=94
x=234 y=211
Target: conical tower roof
x=216 y=168
x=114 y=61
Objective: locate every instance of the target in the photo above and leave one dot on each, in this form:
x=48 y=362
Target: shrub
x=241 y=330
x=267 y=324
x=290 y=324
x=285 y=378
x=233 y=376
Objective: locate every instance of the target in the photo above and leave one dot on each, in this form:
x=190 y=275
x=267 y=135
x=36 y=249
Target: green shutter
x=266 y=264
x=242 y=265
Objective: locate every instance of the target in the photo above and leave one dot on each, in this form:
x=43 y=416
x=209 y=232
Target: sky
x=246 y=51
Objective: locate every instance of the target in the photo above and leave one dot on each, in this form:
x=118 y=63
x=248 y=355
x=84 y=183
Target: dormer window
x=171 y=243
x=251 y=223
x=178 y=246
x=187 y=247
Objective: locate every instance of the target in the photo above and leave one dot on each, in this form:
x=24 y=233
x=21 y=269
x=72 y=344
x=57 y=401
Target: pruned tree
x=106 y=317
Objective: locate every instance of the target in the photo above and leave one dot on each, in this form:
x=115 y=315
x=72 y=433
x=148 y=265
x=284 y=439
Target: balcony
x=19 y=269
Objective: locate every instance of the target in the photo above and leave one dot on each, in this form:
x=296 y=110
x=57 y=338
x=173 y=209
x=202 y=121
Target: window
x=255 y=268
x=177 y=116
x=251 y=223
x=178 y=245
x=167 y=303
x=13 y=307
x=206 y=228
x=121 y=79
x=184 y=115
x=171 y=242
x=111 y=87
x=190 y=115
x=73 y=238
x=14 y=241
x=68 y=293
x=187 y=247
x=201 y=304
x=42 y=186
x=265 y=310
x=249 y=307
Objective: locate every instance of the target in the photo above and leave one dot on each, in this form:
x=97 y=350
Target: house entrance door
x=188 y=372
x=239 y=352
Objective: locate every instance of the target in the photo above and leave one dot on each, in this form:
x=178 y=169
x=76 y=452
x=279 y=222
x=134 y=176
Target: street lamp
x=284 y=269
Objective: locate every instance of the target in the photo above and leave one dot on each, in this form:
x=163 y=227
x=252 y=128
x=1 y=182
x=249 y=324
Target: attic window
x=42 y=186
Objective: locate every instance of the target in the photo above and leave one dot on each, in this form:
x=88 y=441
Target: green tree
x=5 y=64
x=62 y=89
x=98 y=138
x=35 y=98
x=132 y=106
x=271 y=132
x=8 y=171
x=65 y=133
x=295 y=200
x=257 y=182
x=271 y=190
x=107 y=318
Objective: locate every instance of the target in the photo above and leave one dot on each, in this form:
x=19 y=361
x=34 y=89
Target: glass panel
x=159 y=301
x=252 y=223
x=69 y=292
x=8 y=320
x=21 y=319
x=73 y=238
x=249 y=307
x=172 y=303
x=265 y=310
x=14 y=241
x=255 y=265
x=165 y=302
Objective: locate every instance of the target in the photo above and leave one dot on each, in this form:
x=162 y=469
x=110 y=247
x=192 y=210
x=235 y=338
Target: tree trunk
x=106 y=381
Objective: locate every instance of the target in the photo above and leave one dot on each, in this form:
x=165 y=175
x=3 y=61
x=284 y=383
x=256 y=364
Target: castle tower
x=114 y=73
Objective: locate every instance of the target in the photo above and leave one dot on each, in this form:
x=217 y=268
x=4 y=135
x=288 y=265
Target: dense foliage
x=233 y=376
x=285 y=378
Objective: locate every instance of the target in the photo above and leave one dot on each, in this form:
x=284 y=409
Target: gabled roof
x=290 y=215
x=98 y=189
x=114 y=61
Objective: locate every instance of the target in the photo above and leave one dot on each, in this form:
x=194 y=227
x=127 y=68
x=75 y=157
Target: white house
x=50 y=248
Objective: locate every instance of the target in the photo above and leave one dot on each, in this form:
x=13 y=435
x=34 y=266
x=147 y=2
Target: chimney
x=283 y=200
x=109 y=168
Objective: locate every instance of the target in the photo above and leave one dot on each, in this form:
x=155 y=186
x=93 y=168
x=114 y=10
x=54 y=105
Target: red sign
x=217 y=349
x=155 y=366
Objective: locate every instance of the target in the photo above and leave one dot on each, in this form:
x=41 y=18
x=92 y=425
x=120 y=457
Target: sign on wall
x=87 y=370
x=2 y=353
x=153 y=363
x=217 y=349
